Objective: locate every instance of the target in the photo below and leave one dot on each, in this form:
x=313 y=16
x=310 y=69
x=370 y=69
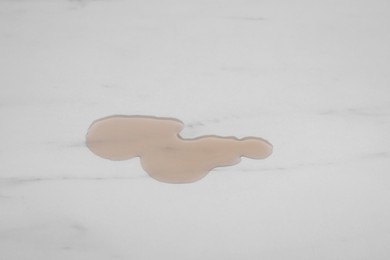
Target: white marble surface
x=312 y=77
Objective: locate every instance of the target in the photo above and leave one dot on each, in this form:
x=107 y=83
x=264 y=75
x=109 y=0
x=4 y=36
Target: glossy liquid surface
x=164 y=155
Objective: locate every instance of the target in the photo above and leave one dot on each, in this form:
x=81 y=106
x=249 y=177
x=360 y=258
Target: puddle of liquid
x=164 y=155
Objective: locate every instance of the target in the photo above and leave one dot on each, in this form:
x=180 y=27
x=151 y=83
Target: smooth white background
x=312 y=77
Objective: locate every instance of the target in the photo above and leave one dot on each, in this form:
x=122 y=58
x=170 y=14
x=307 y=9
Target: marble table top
x=312 y=77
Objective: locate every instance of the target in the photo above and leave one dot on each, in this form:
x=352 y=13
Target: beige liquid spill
x=164 y=155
